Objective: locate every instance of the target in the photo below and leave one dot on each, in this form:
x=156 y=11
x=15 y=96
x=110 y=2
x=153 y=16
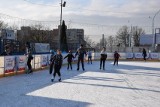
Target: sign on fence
x=129 y=55
x=21 y=63
x=9 y=64
x=44 y=60
x=139 y=55
x=154 y=55
x=1 y=65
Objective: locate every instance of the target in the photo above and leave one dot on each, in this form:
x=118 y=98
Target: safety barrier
x=17 y=64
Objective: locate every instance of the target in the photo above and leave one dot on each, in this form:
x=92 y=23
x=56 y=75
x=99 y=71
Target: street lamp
x=63 y=4
x=153 y=27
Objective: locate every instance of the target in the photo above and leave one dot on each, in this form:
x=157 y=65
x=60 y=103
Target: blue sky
x=97 y=17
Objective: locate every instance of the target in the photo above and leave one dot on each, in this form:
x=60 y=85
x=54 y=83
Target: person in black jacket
x=57 y=61
x=70 y=57
x=30 y=58
x=116 y=57
x=103 y=58
x=144 y=53
x=51 y=63
x=80 y=52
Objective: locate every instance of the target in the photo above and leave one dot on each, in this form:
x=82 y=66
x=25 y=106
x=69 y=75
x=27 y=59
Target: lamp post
x=62 y=4
x=153 y=45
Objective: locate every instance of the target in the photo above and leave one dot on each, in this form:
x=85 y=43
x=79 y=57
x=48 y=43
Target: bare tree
x=89 y=41
x=13 y=27
x=137 y=32
x=123 y=36
x=38 y=34
x=3 y=25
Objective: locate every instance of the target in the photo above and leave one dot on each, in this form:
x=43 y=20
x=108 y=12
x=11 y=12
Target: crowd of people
x=56 y=60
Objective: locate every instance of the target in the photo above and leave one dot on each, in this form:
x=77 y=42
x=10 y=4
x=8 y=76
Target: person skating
x=30 y=58
x=103 y=58
x=57 y=61
x=51 y=63
x=89 y=53
x=69 y=59
x=116 y=57
x=80 y=52
x=144 y=54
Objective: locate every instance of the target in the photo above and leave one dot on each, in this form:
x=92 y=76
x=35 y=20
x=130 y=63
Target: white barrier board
x=9 y=64
x=21 y=63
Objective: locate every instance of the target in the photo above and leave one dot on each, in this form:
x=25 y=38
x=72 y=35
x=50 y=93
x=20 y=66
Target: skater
x=89 y=53
x=57 y=61
x=70 y=57
x=80 y=52
x=30 y=58
x=144 y=54
x=116 y=57
x=103 y=58
x=51 y=63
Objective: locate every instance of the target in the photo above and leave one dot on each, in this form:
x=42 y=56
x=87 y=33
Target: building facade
x=8 y=41
x=75 y=37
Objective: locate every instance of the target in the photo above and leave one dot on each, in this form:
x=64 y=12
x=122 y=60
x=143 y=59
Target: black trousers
x=144 y=57
x=89 y=59
x=51 y=68
x=57 y=70
x=116 y=61
x=29 y=65
x=69 y=64
x=102 y=61
x=82 y=62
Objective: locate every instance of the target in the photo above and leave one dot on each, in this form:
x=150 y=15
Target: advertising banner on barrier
x=129 y=55
x=21 y=62
x=44 y=60
x=110 y=55
x=37 y=61
x=122 y=55
x=9 y=64
x=154 y=55
x=139 y=55
x=1 y=65
x=49 y=57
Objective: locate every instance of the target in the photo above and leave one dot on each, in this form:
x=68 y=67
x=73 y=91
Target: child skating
x=57 y=61
x=69 y=59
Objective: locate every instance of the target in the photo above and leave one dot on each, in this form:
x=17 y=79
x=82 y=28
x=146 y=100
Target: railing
x=17 y=64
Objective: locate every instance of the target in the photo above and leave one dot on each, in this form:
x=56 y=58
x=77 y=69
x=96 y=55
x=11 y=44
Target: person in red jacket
x=116 y=57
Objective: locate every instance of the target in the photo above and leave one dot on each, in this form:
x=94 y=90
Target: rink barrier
x=13 y=65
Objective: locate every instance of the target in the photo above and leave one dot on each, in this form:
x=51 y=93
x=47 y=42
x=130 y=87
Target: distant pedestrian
x=89 y=53
x=116 y=57
x=80 y=52
x=51 y=63
x=30 y=58
x=69 y=59
x=103 y=58
x=144 y=53
x=57 y=61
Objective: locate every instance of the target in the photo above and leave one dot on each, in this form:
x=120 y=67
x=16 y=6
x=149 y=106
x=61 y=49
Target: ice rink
x=131 y=84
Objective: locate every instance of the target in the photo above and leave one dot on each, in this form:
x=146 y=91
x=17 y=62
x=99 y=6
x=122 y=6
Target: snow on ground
x=131 y=84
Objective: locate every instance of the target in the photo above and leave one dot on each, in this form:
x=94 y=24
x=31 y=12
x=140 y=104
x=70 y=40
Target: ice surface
x=131 y=84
